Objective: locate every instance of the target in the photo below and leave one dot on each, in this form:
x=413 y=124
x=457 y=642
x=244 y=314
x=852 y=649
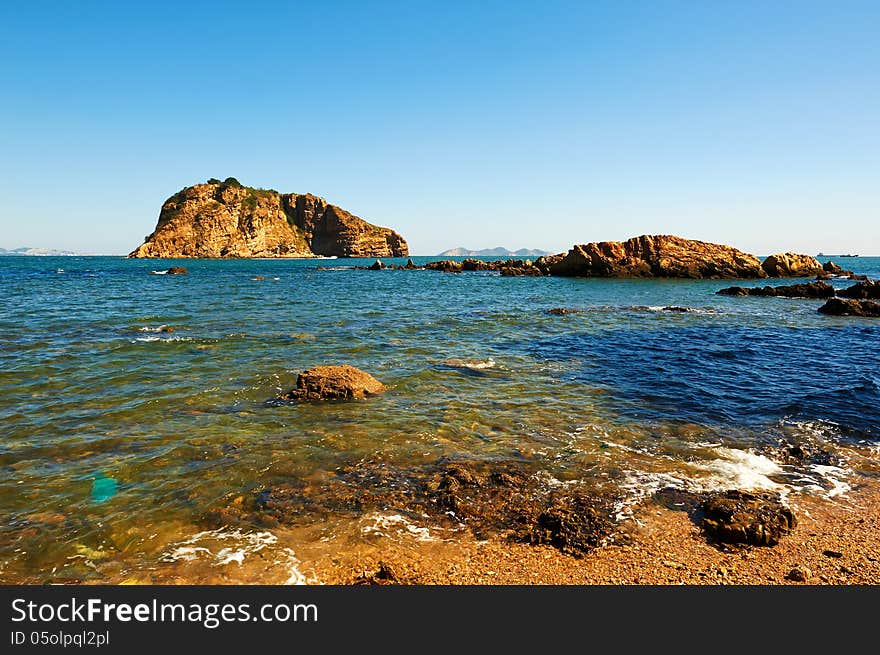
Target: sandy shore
x=836 y=542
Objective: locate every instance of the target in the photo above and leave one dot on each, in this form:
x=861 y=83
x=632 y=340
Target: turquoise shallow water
x=116 y=435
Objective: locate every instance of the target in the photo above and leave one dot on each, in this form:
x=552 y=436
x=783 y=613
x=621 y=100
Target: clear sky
x=479 y=124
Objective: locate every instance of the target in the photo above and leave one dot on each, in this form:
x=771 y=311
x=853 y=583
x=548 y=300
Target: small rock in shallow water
x=333 y=383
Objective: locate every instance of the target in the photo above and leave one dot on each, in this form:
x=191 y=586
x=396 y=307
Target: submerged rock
x=844 y=307
x=333 y=383
x=504 y=499
x=800 y=454
x=805 y=290
x=791 y=264
x=741 y=517
x=562 y=311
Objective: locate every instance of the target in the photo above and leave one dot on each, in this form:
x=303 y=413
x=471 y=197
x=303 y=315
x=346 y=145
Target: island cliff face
x=656 y=256
x=226 y=219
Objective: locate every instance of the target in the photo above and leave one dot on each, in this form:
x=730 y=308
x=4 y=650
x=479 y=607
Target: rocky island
x=227 y=219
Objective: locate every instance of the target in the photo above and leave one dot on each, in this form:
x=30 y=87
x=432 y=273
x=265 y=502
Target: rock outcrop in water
x=333 y=383
x=226 y=219
x=845 y=307
x=866 y=290
x=644 y=256
x=808 y=290
x=657 y=256
x=507 y=267
x=791 y=264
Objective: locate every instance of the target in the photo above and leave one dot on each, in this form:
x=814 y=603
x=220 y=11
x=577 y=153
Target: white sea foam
x=835 y=477
x=732 y=469
x=739 y=469
x=222 y=547
x=384 y=524
x=151 y=328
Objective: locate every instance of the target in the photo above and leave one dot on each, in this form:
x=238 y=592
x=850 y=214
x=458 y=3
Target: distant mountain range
x=37 y=252
x=493 y=252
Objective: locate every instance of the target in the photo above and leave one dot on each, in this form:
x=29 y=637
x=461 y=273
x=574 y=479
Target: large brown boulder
x=226 y=219
x=333 y=383
x=843 y=307
x=657 y=256
x=791 y=264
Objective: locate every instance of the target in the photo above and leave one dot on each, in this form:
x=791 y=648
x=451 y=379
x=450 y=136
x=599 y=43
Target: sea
x=133 y=404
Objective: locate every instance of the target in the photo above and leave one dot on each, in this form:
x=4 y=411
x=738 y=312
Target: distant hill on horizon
x=37 y=252
x=493 y=252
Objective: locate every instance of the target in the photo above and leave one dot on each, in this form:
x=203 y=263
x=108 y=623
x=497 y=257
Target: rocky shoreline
x=835 y=543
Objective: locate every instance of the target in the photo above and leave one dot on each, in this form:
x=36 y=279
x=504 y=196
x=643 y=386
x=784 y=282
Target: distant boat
x=822 y=254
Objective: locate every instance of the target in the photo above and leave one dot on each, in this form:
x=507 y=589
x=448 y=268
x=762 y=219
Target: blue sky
x=479 y=124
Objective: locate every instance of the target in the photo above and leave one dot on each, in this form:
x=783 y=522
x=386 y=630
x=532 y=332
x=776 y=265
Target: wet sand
x=836 y=542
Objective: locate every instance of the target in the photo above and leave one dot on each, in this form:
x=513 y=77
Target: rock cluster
x=226 y=219
x=657 y=256
x=857 y=300
x=507 y=268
